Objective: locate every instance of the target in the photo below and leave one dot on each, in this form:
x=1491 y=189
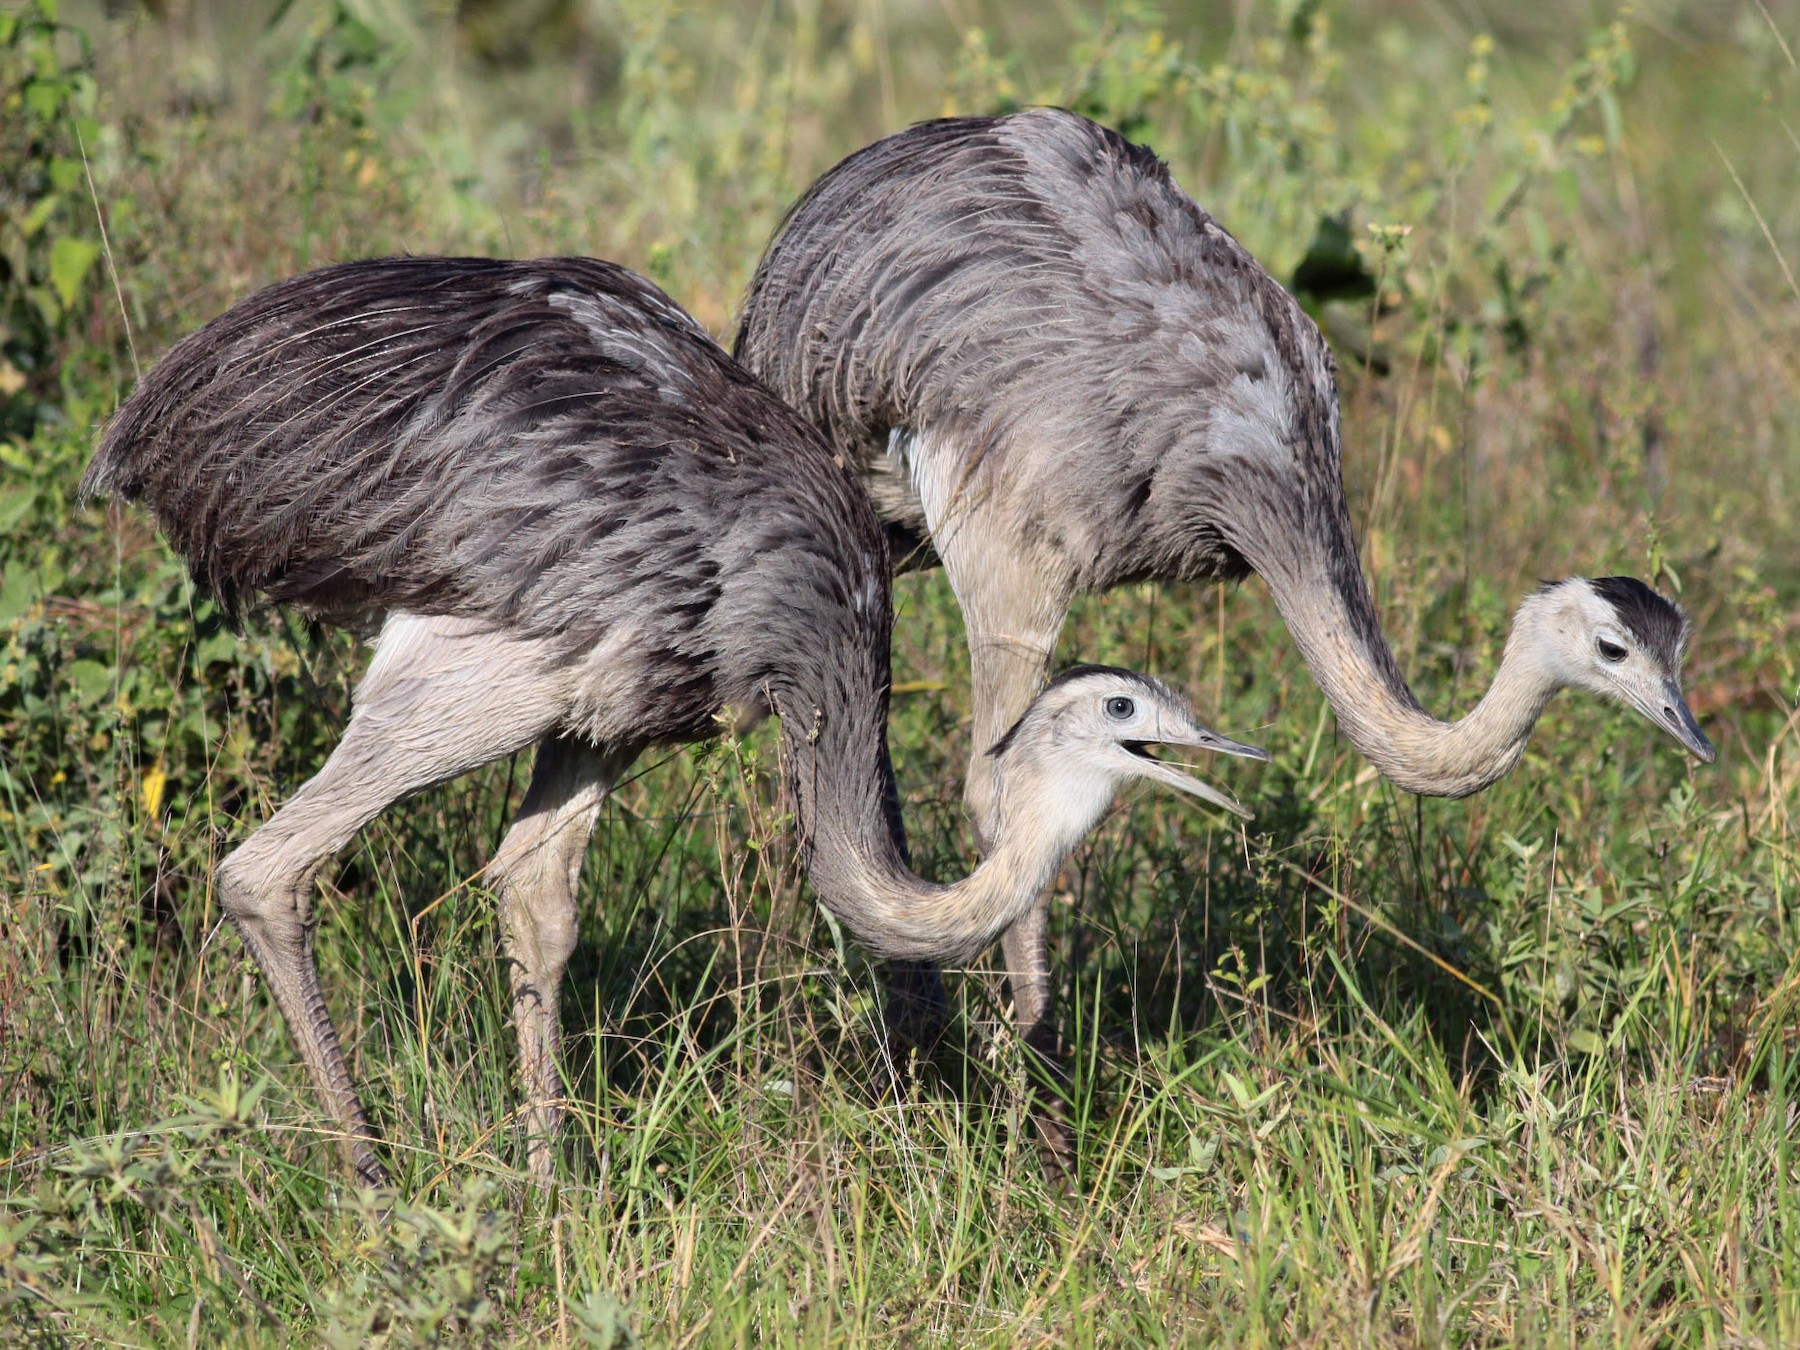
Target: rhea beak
x=1192 y=737
x=1671 y=713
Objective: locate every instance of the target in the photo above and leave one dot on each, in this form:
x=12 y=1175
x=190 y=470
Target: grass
x=1375 y=1070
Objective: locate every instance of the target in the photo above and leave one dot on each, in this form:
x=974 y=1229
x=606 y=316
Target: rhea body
x=574 y=522
x=1057 y=375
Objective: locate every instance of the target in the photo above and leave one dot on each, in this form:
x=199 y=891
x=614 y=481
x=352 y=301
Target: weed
x=1517 y=1070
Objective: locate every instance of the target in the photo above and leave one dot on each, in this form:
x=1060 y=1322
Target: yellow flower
x=154 y=781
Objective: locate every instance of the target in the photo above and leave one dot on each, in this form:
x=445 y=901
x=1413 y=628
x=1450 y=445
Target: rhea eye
x=1120 y=708
x=1610 y=651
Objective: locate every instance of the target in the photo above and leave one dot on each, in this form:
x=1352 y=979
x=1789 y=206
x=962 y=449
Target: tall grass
x=1374 y=1070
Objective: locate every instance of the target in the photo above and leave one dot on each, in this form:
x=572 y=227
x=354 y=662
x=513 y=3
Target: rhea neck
x=842 y=783
x=1332 y=617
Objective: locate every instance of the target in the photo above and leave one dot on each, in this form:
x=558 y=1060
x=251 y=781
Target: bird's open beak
x=1673 y=716
x=1193 y=737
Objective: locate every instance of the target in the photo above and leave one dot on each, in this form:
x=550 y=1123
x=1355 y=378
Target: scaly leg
x=1008 y=673
x=1013 y=609
x=437 y=701
x=535 y=873
x=1007 y=677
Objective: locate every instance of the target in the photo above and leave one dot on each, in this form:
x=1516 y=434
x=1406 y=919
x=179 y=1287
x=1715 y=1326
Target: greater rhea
x=1057 y=375
x=575 y=522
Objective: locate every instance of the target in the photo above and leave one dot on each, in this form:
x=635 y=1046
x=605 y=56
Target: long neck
x=1326 y=604
x=842 y=785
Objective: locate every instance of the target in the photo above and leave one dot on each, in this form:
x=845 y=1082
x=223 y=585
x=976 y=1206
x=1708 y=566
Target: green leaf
x=215 y=649
x=18 y=588
x=89 y=679
x=15 y=504
x=1584 y=1042
x=43 y=98
x=41 y=212
x=70 y=260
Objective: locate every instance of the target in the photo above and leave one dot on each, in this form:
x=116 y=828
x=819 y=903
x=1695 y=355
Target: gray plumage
x=575 y=522
x=565 y=461
x=1059 y=374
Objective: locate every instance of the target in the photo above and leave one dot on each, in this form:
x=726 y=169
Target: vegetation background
x=1375 y=1070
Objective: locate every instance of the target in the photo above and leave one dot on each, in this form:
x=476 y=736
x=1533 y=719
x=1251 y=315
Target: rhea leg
x=437 y=701
x=1008 y=670
x=1012 y=627
x=535 y=873
x=1009 y=654
x=1013 y=605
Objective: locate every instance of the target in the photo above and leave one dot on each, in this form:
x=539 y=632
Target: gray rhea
x=1057 y=375
x=573 y=521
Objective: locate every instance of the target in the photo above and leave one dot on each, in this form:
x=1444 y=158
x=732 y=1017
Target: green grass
x=1374 y=1070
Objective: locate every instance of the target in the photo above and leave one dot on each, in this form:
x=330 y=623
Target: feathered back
x=1109 y=364
x=554 y=447
x=1040 y=285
